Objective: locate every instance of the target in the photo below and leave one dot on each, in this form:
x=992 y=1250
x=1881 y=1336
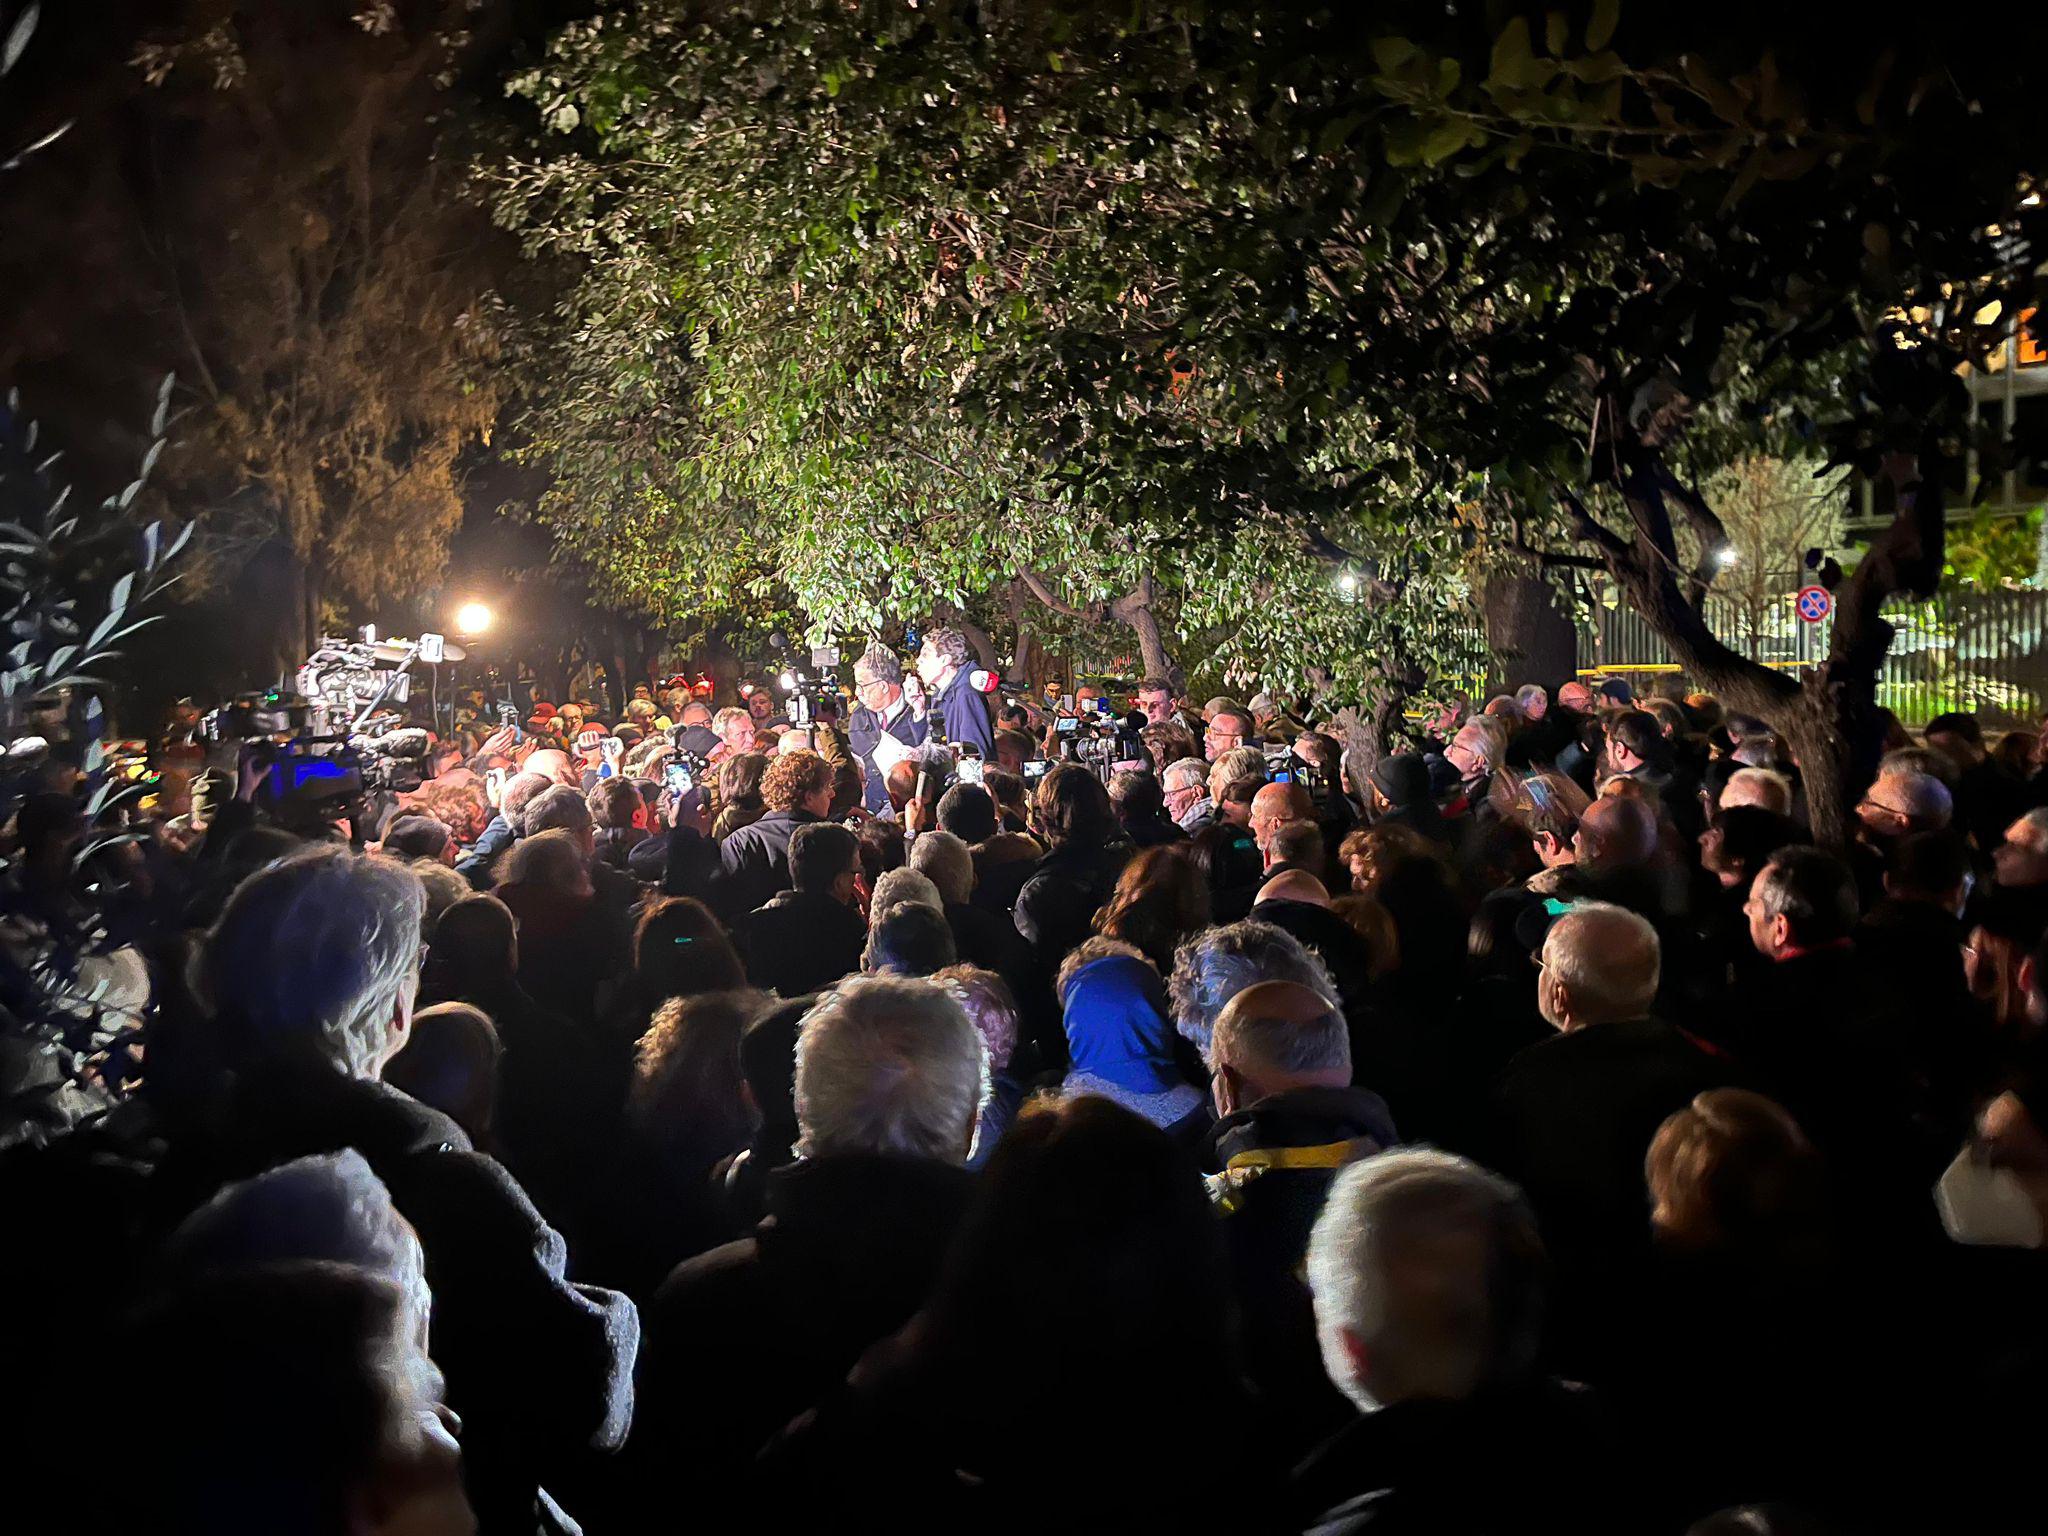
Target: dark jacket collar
x=861 y=1188
x=817 y=901
x=1304 y=1117
x=1425 y=1453
x=284 y=1109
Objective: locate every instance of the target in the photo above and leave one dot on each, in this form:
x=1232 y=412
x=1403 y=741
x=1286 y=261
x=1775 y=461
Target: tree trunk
x=1368 y=729
x=288 y=622
x=1830 y=719
x=1832 y=770
x=1027 y=658
x=1530 y=637
x=1135 y=609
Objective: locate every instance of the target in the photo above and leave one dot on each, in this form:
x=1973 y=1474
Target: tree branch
x=1038 y=589
x=1549 y=558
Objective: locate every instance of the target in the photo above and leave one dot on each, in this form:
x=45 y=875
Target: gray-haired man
x=882 y=711
x=890 y=1076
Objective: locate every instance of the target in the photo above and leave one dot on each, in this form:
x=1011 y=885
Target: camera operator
x=962 y=712
x=883 y=711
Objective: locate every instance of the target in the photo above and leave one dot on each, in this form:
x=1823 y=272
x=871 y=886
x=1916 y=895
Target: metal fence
x=1985 y=652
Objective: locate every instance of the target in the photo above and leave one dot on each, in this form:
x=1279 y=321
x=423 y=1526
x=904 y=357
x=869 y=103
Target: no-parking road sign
x=1815 y=603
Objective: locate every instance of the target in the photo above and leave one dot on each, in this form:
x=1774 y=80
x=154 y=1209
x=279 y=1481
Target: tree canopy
x=271 y=201
x=895 y=304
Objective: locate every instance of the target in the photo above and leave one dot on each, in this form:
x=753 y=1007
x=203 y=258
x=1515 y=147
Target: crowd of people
x=906 y=1119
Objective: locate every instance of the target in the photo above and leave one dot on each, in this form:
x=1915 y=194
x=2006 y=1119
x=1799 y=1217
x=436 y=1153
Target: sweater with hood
x=1121 y=1045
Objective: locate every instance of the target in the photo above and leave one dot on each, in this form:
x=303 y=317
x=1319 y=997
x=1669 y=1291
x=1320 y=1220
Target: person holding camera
x=883 y=711
x=962 y=710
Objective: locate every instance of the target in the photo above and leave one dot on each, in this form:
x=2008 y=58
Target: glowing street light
x=472 y=618
x=1726 y=556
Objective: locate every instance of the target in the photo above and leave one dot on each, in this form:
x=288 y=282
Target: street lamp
x=472 y=619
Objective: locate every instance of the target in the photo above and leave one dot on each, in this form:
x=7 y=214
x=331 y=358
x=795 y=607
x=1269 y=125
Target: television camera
x=808 y=683
x=1101 y=740
x=338 y=733
x=1284 y=765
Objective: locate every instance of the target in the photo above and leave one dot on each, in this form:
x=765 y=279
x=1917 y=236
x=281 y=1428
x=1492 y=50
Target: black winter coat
x=744 y=1338
x=1056 y=909
x=1577 y=1114
x=1541 y=1456
x=539 y=1369
x=741 y=873
x=1270 y=1204
x=1335 y=941
x=801 y=941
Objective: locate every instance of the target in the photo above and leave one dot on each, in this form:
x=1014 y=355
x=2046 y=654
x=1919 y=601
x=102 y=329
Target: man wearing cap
x=1288 y=1118
x=1398 y=792
x=881 y=711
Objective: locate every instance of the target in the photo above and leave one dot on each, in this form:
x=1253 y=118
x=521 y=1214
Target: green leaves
x=1600 y=28
x=875 y=309
x=1514 y=66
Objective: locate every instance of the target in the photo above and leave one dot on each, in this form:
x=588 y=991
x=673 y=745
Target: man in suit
x=883 y=711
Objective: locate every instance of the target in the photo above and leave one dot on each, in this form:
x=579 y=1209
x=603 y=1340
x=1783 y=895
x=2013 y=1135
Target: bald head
x=555 y=765
x=1295 y=885
x=1760 y=787
x=1275 y=803
x=1273 y=1036
x=1601 y=964
x=1920 y=800
x=1616 y=833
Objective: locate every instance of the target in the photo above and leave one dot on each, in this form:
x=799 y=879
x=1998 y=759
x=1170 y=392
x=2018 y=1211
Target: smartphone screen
x=677 y=777
x=970 y=770
x=1068 y=724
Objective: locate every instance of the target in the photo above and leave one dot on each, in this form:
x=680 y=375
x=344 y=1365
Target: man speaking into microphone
x=960 y=708
x=883 y=712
